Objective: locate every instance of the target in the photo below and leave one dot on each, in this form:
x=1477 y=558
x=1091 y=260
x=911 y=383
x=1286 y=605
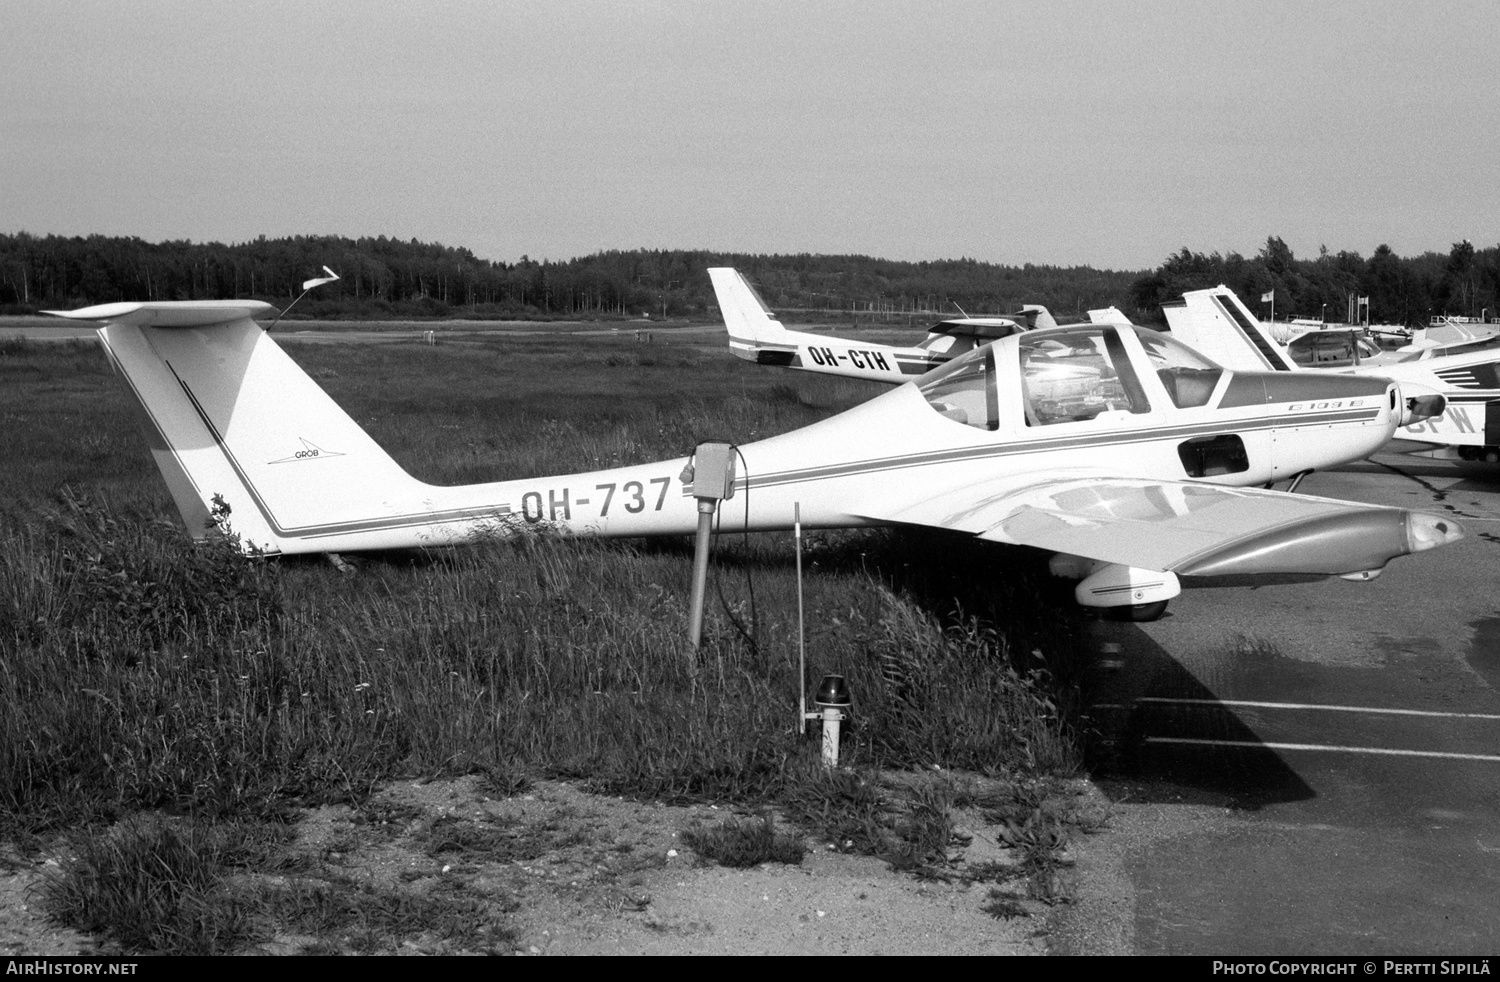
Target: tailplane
x=241 y=433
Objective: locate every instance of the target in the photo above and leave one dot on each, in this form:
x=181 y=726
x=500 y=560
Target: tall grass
x=142 y=671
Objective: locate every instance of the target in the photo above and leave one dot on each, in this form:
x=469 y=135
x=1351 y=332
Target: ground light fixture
x=833 y=702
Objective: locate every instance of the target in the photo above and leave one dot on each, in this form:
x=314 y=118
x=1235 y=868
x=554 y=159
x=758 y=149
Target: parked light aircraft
x=1216 y=323
x=756 y=335
x=1119 y=449
x=1447 y=335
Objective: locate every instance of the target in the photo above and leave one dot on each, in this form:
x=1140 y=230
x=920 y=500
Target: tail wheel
x=1139 y=613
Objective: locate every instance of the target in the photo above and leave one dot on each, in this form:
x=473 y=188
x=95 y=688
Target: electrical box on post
x=713 y=471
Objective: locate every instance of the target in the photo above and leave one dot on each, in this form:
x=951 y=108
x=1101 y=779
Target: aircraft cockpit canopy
x=964 y=389
x=1070 y=375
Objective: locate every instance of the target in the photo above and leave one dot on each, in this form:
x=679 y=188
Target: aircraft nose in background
x=1419 y=402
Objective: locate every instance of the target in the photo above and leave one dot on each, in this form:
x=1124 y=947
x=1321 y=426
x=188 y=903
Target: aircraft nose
x=1417 y=402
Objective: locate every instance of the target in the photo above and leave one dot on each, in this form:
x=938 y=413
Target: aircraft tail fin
x=754 y=332
x=1040 y=317
x=239 y=431
x=1216 y=324
x=1109 y=315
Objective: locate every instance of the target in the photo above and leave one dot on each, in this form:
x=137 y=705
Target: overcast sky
x=1099 y=133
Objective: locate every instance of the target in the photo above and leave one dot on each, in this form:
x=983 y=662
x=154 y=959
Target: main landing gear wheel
x=1139 y=613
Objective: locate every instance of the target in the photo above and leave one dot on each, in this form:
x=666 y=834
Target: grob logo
x=309 y=451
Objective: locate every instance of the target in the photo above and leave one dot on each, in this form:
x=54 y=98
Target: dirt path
x=559 y=871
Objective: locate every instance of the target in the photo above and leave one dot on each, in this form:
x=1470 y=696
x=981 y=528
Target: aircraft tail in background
x=1108 y=315
x=1215 y=323
x=756 y=335
x=752 y=327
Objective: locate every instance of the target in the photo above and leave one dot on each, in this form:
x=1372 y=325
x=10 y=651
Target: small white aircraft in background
x=756 y=335
x=1216 y=323
x=1447 y=336
x=1119 y=449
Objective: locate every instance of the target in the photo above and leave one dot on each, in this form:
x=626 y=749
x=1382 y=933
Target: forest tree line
x=1402 y=291
x=384 y=277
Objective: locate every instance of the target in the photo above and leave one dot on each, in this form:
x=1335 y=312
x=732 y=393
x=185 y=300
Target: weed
x=908 y=824
x=1042 y=838
x=992 y=872
x=487 y=842
x=505 y=780
x=153 y=887
x=1003 y=906
x=922 y=833
x=743 y=843
x=846 y=807
x=370 y=920
x=389 y=819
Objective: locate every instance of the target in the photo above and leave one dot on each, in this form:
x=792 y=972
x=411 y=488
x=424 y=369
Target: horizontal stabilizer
x=983 y=328
x=178 y=313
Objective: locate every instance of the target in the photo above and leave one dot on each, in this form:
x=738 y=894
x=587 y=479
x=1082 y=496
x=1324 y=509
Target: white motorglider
x=1121 y=450
x=1215 y=322
x=756 y=335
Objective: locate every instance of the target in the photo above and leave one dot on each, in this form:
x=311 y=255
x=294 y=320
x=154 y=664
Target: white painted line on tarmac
x=1384 y=751
x=1307 y=705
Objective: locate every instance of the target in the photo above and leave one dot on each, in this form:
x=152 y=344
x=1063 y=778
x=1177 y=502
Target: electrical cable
x=753 y=633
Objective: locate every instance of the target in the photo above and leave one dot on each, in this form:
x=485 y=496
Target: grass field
x=142 y=676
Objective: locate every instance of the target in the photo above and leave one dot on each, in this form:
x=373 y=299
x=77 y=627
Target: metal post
x=801 y=631
x=710 y=472
x=706 y=507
